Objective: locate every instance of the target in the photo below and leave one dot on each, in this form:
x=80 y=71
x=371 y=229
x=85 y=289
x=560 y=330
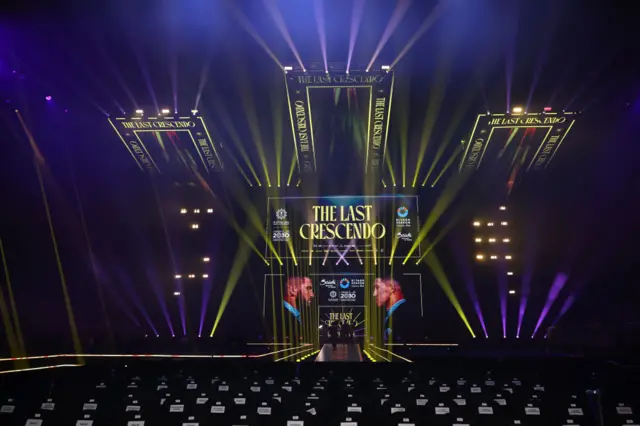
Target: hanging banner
x=532 y=139
x=168 y=144
x=380 y=88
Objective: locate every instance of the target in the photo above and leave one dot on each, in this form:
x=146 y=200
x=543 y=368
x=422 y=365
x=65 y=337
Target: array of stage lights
x=195 y=211
x=496 y=243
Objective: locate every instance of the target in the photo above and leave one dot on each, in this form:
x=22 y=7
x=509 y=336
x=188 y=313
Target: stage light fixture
x=178 y=276
x=288 y=68
x=478 y=240
x=494 y=257
x=509 y=273
x=192 y=275
x=502 y=208
x=492 y=240
x=508 y=257
x=139 y=112
x=476 y=223
x=194 y=111
x=205 y=275
x=503 y=223
x=480 y=256
x=48 y=98
x=386 y=68
x=183 y=211
x=196 y=210
x=490 y=224
x=512 y=292
x=209 y=210
x=195 y=226
x=505 y=240
x=205 y=259
x=176 y=293
x=517 y=110
x=165 y=111
x=547 y=109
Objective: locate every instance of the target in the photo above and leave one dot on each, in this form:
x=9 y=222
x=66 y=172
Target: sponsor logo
x=281 y=235
x=281 y=216
x=344 y=283
x=403 y=212
x=348 y=296
x=404 y=237
x=333 y=294
x=328 y=283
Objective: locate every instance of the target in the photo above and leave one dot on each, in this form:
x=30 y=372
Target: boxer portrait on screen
x=299 y=291
x=388 y=294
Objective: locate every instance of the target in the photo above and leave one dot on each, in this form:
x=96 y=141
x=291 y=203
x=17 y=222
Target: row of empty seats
x=363 y=394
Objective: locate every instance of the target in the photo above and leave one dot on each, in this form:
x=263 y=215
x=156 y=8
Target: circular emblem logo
x=333 y=294
x=281 y=214
x=403 y=211
x=344 y=283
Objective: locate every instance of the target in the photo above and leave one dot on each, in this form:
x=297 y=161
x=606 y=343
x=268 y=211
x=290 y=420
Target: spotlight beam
x=39 y=163
x=246 y=24
x=239 y=262
x=433 y=16
x=436 y=268
x=394 y=21
x=319 y=13
x=282 y=27
x=356 y=17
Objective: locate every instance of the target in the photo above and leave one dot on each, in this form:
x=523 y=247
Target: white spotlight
x=165 y=111
x=195 y=226
x=503 y=223
x=512 y=292
x=194 y=111
x=288 y=68
x=493 y=256
x=209 y=210
x=196 y=210
x=502 y=208
x=192 y=275
x=517 y=110
x=183 y=211
x=205 y=259
x=178 y=276
x=139 y=112
x=480 y=256
x=476 y=223
x=508 y=257
x=505 y=240
x=205 y=275
x=176 y=293
x=385 y=67
x=490 y=224
x=509 y=273
x=478 y=240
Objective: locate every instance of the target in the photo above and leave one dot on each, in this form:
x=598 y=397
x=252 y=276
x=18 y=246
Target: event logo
x=404 y=237
x=344 y=283
x=403 y=211
x=333 y=294
x=342 y=223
